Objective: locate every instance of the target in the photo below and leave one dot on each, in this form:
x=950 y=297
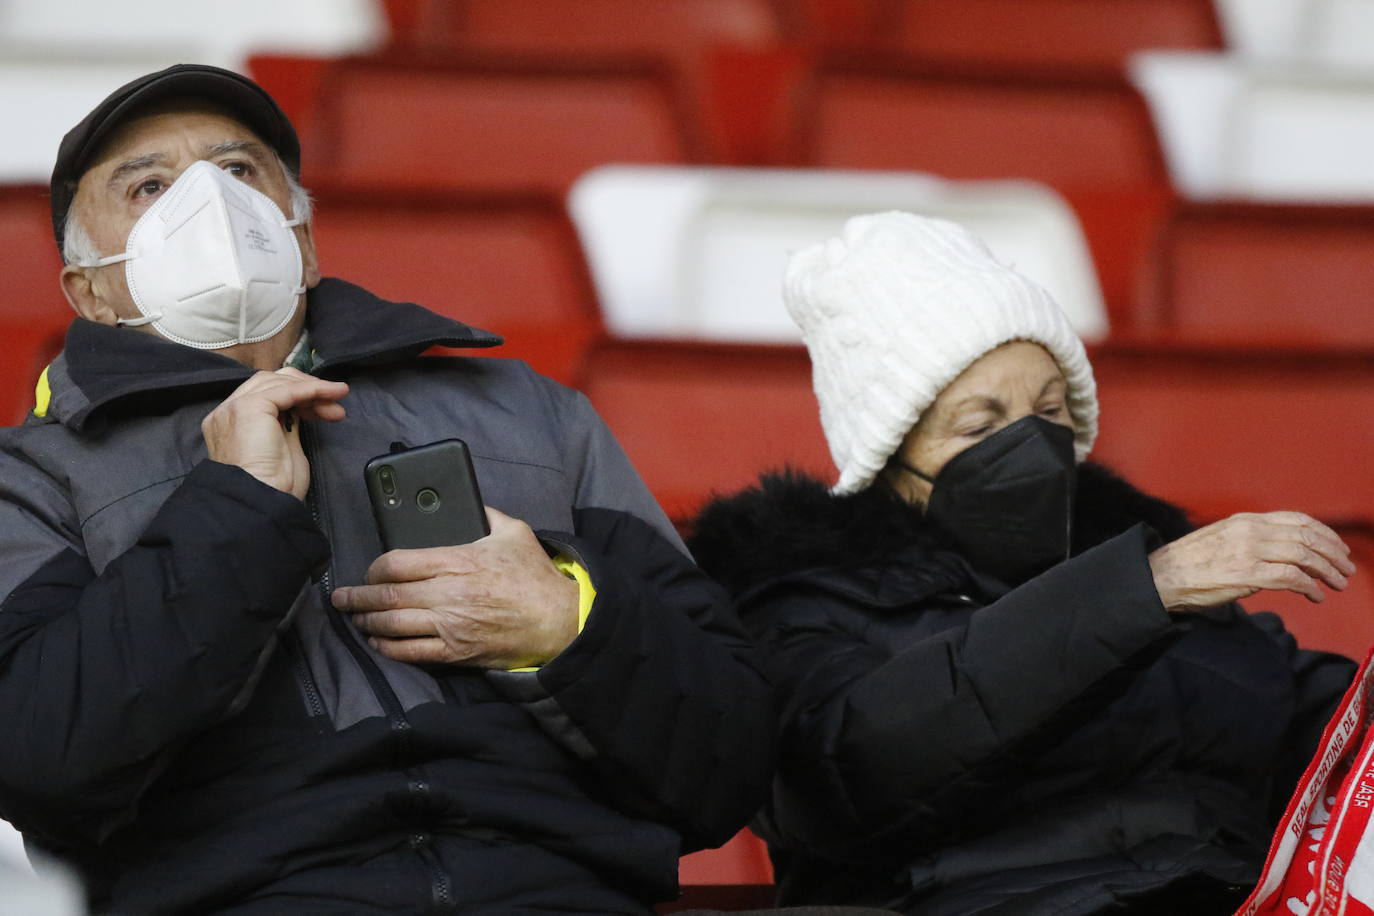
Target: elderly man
x=216 y=692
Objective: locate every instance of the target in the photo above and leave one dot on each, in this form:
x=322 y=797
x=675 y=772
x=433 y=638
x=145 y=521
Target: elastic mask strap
x=102 y=262
x=138 y=322
x=906 y=467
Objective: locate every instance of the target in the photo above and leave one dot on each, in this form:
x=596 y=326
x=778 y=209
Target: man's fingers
x=329 y=411
x=284 y=391
x=424 y=650
x=384 y=596
x=416 y=564
x=401 y=623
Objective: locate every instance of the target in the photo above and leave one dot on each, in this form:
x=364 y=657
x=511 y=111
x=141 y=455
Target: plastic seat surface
x=700 y=252
x=704 y=419
x=1243 y=274
x=1092 y=34
x=1220 y=431
x=671 y=27
x=33 y=312
x=511 y=265
x=469 y=126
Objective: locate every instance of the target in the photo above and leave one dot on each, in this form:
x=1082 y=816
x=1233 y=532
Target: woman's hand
x=1246 y=553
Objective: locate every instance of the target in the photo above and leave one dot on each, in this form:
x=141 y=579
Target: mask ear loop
x=115 y=259
x=906 y=467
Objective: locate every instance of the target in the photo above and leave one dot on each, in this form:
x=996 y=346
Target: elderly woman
x=1011 y=682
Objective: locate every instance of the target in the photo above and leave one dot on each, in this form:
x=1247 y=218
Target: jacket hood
x=101 y=367
x=790 y=525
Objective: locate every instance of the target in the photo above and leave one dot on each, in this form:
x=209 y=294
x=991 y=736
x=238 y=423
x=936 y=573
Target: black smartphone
x=426 y=496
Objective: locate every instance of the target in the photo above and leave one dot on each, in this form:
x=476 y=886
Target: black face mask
x=1007 y=502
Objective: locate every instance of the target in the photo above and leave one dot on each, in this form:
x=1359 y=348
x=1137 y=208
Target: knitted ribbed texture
x=893 y=310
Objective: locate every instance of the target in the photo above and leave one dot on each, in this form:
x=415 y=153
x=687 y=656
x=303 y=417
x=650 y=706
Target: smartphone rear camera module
x=427 y=500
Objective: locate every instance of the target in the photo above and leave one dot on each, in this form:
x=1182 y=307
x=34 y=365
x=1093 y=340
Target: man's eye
x=148 y=188
x=238 y=169
x=1053 y=410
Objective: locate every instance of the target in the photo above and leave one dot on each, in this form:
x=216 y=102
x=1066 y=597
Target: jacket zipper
x=304 y=675
x=381 y=689
x=441 y=884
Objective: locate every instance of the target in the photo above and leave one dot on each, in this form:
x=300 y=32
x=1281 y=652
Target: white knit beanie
x=893 y=310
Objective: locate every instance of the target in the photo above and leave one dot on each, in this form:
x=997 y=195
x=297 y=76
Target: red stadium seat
x=508 y=264
x=1090 y=138
x=698 y=419
x=697 y=38
x=678 y=30
x=1223 y=431
x=1267 y=274
x=458 y=124
x=33 y=314
x=1078 y=34
x=737 y=876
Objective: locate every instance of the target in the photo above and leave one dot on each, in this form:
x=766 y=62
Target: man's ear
x=79 y=288
x=310 y=262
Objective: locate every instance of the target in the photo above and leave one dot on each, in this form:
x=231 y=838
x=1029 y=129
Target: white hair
x=78 y=247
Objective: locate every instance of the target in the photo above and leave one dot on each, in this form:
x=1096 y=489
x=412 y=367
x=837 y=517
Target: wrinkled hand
x=498 y=602
x=247 y=428
x=1246 y=553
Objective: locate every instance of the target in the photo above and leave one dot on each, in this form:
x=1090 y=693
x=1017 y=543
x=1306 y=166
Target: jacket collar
x=101 y=367
x=790 y=528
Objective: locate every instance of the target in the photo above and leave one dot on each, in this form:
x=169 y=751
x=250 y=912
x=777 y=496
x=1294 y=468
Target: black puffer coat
x=1066 y=747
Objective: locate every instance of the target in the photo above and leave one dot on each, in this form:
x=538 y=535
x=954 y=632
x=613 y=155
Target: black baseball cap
x=242 y=97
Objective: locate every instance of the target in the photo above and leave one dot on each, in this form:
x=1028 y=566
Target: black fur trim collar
x=789 y=523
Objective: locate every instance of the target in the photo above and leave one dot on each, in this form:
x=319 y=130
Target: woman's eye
x=238 y=169
x=979 y=432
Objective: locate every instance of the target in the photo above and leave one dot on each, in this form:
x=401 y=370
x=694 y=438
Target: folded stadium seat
x=509 y=264
x=1095 y=35
x=455 y=123
x=33 y=313
x=1220 y=431
x=699 y=251
x=737 y=876
x=688 y=35
x=1243 y=274
x=1088 y=137
x=698 y=419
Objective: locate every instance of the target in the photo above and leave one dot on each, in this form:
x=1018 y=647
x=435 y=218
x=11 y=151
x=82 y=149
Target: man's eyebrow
x=133 y=165
x=252 y=148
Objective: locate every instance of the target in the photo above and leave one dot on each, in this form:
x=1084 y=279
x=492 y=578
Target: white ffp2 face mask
x=212 y=262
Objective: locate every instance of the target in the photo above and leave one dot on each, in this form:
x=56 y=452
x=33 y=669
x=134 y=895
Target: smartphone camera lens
x=386 y=475
x=427 y=500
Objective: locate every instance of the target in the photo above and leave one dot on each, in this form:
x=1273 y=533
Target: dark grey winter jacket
x=186 y=719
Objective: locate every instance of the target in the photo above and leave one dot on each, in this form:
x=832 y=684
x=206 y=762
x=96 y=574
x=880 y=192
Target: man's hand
x=1246 y=553
x=495 y=603
x=248 y=429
